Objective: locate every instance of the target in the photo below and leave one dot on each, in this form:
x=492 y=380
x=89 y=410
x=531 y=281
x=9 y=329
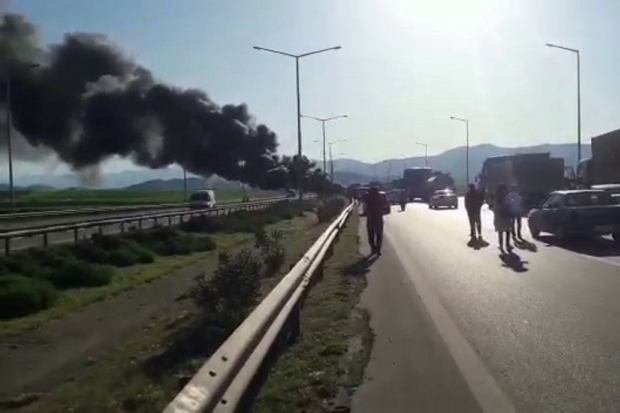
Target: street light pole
x=299 y=143
x=466 y=121
x=9 y=139
x=9 y=143
x=323 y=121
x=425 y=152
x=331 y=159
x=576 y=51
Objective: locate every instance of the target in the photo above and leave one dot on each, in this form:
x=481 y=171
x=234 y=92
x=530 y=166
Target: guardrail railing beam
x=225 y=380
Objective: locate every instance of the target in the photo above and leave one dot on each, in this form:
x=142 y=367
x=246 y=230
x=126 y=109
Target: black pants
x=375 y=233
x=515 y=227
x=474 y=223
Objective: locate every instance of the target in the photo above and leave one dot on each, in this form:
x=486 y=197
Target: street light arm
x=275 y=51
x=459 y=119
x=312 y=117
x=562 y=47
x=320 y=51
x=334 y=117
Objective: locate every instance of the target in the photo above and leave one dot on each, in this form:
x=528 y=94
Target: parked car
x=568 y=213
x=444 y=198
x=202 y=199
x=613 y=189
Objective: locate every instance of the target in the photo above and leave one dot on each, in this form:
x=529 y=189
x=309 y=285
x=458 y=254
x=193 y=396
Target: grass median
x=154 y=364
x=51 y=283
x=321 y=370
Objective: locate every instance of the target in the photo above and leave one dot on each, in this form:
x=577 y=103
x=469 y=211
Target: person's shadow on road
x=360 y=267
x=525 y=245
x=477 y=243
x=513 y=261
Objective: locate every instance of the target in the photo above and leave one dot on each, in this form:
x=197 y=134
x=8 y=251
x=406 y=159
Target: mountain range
x=346 y=171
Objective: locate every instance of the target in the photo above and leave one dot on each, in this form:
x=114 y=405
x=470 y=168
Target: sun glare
x=469 y=18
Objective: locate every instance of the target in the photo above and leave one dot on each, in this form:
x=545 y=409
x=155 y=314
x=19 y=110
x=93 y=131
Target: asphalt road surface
x=463 y=329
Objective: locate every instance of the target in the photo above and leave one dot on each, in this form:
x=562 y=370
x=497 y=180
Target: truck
x=535 y=174
x=438 y=181
x=414 y=182
x=604 y=165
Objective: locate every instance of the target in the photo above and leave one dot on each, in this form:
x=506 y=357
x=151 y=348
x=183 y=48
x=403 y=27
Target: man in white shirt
x=515 y=204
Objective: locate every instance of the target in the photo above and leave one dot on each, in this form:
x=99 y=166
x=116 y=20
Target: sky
x=405 y=66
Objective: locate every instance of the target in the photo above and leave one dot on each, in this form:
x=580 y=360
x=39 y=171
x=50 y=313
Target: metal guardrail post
x=7 y=246
x=45 y=240
x=122 y=227
x=169 y=221
x=100 y=230
x=140 y=223
x=294 y=325
x=76 y=235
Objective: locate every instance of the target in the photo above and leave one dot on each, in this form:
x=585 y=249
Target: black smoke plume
x=87 y=101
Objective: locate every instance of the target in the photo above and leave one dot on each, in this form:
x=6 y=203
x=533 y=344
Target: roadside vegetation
x=155 y=364
x=43 y=278
x=322 y=369
x=83 y=198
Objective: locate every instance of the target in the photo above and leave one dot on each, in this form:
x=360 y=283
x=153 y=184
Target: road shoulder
x=410 y=367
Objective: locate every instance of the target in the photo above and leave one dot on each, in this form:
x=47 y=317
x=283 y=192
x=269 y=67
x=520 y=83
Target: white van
x=204 y=198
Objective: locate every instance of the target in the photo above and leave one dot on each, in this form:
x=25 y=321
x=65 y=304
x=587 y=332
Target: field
x=84 y=198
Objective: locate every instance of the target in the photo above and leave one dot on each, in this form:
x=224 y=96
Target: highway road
x=463 y=329
x=13 y=225
x=64 y=237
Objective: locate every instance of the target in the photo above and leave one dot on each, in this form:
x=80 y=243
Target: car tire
x=616 y=237
x=535 y=232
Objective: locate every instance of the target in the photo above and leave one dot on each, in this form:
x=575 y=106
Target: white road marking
x=481 y=383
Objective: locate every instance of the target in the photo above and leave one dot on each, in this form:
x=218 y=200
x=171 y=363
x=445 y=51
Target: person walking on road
x=502 y=217
x=473 y=205
x=515 y=202
x=374 y=220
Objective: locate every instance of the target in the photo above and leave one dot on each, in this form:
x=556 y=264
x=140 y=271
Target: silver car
x=444 y=198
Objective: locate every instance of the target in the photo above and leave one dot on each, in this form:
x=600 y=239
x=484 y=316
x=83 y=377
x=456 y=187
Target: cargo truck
x=604 y=165
x=535 y=175
x=414 y=182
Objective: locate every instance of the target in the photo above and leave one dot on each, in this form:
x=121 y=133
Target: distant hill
x=451 y=161
x=346 y=171
x=176 y=184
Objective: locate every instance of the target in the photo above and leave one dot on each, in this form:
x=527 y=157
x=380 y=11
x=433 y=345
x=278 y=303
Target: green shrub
x=90 y=252
x=107 y=242
x=271 y=249
x=201 y=244
x=329 y=209
x=234 y=285
x=203 y=223
x=20 y=296
x=80 y=274
x=143 y=255
x=122 y=257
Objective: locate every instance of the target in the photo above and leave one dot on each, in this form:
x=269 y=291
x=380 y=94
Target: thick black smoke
x=87 y=101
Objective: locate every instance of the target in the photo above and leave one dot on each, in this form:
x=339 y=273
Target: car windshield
x=200 y=196
x=589 y=199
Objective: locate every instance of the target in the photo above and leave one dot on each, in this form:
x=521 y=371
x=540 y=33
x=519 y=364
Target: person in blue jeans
x=374 y=220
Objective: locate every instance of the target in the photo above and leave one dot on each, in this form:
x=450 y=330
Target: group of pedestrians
x=508 y=212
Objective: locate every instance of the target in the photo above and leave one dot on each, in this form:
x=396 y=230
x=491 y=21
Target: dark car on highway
x=577 y=212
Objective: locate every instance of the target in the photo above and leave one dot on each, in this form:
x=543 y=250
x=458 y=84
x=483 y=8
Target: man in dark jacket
x=473 y=205
x=374 y=220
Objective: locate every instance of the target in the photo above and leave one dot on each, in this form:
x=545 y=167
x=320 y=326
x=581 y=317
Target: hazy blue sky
x=404 y=68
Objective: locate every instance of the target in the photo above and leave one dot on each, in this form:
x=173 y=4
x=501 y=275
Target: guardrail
x=221 y=383
x=185 y=208
x=100 y=210
x=100 y=224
